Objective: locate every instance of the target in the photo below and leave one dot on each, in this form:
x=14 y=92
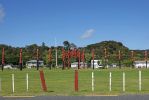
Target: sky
x=83 y=22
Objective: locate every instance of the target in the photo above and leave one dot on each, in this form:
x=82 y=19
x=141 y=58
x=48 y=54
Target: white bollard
x=92 y=81
x=140 y=81
x=0 y=85
x=26 y=81
x=110 y=81
x=12 y=83
x=123 y=81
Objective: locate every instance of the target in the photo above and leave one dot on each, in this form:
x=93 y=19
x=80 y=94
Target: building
x=75 y=65
x=141 y=64
x=97 y=64
x=33 y=63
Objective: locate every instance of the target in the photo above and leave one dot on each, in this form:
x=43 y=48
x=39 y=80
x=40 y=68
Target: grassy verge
x=61 y=82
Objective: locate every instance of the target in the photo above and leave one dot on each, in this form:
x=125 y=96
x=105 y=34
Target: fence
x=62 y=82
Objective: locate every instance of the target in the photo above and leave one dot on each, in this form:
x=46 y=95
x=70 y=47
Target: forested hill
x=29 y=52
x=112 y=48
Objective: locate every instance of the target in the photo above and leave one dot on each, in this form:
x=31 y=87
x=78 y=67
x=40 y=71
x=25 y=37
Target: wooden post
x=78 y=55
x=42 y=78
x=93 y=81
x=27 y=82
x=119 y=57
x=37 y=55
x=132 y=58
x=93 y=57
x=63 y=58
x=110 y=81
x=123 y=81
x=105 y=57
x=50 y=57
x=76 y=81
x=0 y=85
x=20 y=60
x=3 y=58
x=140 y=81
x=145 y=57
x=12 y=83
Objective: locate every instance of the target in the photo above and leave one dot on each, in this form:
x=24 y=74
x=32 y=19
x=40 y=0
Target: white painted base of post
x=123 y=81
x=12 y=83
x=110 y=81
x=140 y=83
x=0 y=85
x=93 y=81
x=27 y=82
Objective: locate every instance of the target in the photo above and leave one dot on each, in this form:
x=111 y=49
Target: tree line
x=112 y=47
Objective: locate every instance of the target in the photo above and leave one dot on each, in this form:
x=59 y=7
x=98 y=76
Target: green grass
x=61 y=82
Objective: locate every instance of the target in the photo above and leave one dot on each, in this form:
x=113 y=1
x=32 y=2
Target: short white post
x=0 y=85
x=12 y=83
x=92 y=81
x=110 y=81
x=140 y=80
x=123 y=81
x=26 y=81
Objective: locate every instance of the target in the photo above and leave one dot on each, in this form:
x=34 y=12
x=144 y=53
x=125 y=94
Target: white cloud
x=2 y=13
x=89 y=33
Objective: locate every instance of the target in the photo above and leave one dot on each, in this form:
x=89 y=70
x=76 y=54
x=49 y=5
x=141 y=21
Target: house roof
x=32 y=61
x=75 y=63
x=140 y=61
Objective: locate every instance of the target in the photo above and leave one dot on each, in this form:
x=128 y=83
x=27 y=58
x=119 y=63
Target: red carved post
x=68 y=53
x=3 y=58
x=83 y=58
x=78 y=56
x=44 y=87
x=119 y=58
x=76 y=81
x=93 y=57
x=37 y=58
x=132 y=58
x=63 y=58
x=145 y=57
x=105 y=57
x=50 y=57
x=20 y=60
x=75 y=53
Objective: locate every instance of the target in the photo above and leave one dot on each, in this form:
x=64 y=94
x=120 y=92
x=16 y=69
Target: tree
x=73 y=46
x=66 y=45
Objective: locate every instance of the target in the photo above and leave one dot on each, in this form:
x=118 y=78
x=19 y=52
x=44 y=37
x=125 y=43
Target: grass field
x=61 y=82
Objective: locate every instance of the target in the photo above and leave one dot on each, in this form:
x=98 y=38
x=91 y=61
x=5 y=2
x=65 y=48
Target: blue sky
x=24 y=22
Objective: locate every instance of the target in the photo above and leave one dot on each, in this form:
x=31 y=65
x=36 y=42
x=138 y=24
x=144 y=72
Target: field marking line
x=104 y=95
x=18 y=96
